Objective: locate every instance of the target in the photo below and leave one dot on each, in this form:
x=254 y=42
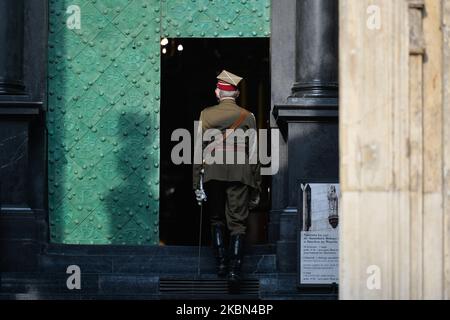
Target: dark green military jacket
x=222 y=117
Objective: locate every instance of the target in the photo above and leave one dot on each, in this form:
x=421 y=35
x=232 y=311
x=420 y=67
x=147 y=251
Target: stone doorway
x=187 y=87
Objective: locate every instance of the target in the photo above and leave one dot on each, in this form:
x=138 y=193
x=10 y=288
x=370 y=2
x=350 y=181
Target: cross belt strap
x=243 y=115
x=237 y=123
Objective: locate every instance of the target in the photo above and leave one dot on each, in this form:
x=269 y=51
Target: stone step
x=26 y=286
x=21 y=296
x=115 y=250
x=157 y=264
x=144 y=286
x=39 y=283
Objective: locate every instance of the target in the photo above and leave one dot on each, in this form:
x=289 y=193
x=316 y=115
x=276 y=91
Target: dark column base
x=12 y=39
x=287 y=245
x=315 y=90
x=12 y=88
x=19 y=241
x=312 y=131
x=273 y=227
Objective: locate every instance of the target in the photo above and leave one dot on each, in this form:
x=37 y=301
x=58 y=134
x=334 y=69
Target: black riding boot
x=219 y=250
x=236 y=257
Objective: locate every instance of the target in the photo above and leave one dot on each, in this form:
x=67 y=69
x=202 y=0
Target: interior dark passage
x=188 y=79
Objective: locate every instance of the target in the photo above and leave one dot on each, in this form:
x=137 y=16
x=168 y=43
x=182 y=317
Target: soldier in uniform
x=231 y=189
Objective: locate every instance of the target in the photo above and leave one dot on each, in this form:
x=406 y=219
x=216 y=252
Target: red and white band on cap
x=226 y=86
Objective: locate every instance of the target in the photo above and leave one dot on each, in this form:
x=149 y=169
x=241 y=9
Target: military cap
x=228 y=81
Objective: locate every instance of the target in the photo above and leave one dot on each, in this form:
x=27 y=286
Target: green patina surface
x=103 y=117
x=215 y=18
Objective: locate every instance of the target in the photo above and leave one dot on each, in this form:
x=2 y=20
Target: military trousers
x=227 y=204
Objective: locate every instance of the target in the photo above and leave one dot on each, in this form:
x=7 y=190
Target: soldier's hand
x=254 y=201
x=200 y=195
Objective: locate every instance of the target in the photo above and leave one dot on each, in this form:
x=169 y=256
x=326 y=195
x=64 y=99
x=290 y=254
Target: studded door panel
x=103 y=122
x=103 y=117
x=215 y=18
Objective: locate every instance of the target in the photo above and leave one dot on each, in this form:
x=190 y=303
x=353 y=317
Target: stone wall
x=394 y=156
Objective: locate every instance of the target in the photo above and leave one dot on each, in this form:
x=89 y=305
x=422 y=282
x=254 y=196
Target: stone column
x=308 y=117
x=11 y=42
x=317 y=40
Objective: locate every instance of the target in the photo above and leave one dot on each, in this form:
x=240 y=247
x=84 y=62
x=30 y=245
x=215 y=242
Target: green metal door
x=103 y=117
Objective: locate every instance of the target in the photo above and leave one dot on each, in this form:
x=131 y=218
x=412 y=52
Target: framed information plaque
x=318 y=234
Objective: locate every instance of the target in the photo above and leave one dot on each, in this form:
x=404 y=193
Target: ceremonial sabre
x=200 y=203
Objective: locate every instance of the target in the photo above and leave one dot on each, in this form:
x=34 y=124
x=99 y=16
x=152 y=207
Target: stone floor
x=150 y=273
